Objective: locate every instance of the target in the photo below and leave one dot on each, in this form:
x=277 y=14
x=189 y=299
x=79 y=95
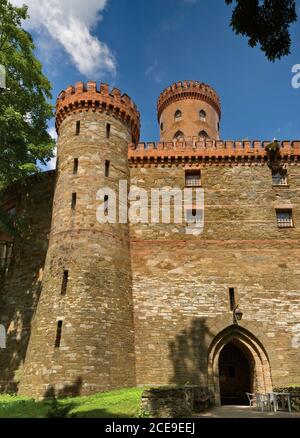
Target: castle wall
x=20 y=288
x=181 y=283
x=96 y=352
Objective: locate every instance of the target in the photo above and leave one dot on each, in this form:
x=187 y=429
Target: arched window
x=179 y=135
x=203 y=134
x=202 y=115
x=178 y=115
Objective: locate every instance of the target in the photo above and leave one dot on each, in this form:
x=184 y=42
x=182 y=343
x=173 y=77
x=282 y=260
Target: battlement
x=188 y=90
x=88 y=96
x=210 y=150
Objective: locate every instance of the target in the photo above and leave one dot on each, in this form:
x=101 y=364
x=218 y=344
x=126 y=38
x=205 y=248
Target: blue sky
x=153 y=43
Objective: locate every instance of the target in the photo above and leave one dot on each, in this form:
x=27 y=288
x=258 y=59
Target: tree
x=24 y=106
x=265 y=23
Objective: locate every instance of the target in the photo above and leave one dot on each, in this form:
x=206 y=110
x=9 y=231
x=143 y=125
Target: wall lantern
x=237 y=315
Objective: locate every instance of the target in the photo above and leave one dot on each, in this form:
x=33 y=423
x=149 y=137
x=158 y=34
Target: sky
x=143 y=46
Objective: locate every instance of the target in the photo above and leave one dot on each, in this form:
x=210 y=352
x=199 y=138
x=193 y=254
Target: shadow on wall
x=18 y=313
x=20 y=287
x=188 y=353
x=73 y=390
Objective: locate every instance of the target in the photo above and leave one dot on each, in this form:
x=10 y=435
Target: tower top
x=88 y=97
x=188 y=90
x=189 y=109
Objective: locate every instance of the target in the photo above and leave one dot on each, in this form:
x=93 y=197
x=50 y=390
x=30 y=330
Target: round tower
x=82 y=334
x=189 y=109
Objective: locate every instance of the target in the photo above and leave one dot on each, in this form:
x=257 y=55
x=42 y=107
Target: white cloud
x=70 y=23
x=153 y=72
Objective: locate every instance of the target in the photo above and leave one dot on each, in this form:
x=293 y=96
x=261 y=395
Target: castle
x=91 y=306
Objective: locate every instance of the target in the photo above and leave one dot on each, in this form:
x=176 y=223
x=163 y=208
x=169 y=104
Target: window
x=77 y=128
x=179 y=136
x=203 y=134
x=193 y=178
x=202 y=115
x=108 y=126
x=74 y=200
x=161 y=126
x=75 y=166
x=6 y=249
x=65 y=283
x=279 y=177
x=285 y=218
x=232 y=298
x=58 y=334
x=178 y=115
x=106 y=199
x=107 y=165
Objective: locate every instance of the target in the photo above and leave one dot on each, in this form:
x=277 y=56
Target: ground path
x=244 y=412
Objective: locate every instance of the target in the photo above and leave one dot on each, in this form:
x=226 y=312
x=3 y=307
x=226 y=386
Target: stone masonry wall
x=181 y=282
x=20 y=288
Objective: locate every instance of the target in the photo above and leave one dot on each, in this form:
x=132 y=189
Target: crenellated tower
x=82 y=333
x=189 y=109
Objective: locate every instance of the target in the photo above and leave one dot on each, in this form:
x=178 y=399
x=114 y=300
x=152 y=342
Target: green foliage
x=24 y=107
x=273 y=148
x=122 y=403
x=265 y=23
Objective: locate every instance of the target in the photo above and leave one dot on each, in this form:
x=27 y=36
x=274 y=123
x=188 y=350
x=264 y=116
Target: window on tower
x=107 y=168
x=108 y=128
x=179 y=136
x=78 y=128
x=178 y=115
x=202 y=115
x=58 y=334
x=203 y=134
x=74 y=201
x=75 y=166
x=64 y=285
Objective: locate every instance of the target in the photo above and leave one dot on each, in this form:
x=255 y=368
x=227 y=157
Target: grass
x=124 y=403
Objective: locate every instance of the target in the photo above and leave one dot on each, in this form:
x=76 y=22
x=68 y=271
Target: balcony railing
x=6 y=250
x=195 y=182
x=285 y=220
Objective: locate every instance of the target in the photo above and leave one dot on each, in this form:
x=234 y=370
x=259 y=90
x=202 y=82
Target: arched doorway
x=253 y=352
x=234 y=375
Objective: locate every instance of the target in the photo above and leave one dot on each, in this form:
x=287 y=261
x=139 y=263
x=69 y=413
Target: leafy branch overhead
x=24 y=104
x=265 y=23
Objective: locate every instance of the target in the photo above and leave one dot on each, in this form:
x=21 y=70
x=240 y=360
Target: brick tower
x=82 y=333
x=189 y=109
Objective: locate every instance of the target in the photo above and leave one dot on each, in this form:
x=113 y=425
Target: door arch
x=235 y=375
x=252 y=350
